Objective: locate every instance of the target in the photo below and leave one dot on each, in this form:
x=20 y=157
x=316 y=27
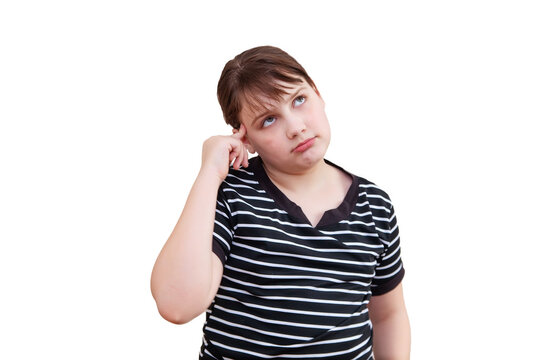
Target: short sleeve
x=389 y=271
x=223 y=229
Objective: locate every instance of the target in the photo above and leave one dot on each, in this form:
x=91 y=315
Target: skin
x=391 y=328
x=276 y=132
x=187 y=273
x=291 y=137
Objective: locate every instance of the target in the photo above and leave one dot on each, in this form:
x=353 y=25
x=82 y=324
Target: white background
x=104 y=106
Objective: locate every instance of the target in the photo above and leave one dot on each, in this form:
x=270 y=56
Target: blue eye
x=299 y=100
x=269 y=121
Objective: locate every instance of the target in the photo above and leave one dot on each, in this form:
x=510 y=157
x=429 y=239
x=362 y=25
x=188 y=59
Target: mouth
x=304 y=145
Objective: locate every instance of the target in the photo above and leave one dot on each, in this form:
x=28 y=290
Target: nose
x=295 y=125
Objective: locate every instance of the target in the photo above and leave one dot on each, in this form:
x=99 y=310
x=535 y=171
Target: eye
x=299 y=100
x=269 y=121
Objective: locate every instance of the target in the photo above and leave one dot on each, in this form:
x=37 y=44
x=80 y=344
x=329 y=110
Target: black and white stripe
x=291 y=290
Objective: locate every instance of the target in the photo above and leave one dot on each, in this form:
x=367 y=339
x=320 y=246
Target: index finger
x=240 y=133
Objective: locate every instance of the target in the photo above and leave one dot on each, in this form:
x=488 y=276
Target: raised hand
x=219 y=152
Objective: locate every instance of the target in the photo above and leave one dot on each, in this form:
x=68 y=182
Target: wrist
x=210 y=176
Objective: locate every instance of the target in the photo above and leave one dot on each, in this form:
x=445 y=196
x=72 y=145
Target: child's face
x=293 y=134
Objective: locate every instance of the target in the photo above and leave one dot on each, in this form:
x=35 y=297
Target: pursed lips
x=303 y=144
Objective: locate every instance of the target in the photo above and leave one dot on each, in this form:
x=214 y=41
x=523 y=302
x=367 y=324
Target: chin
x=310 y=158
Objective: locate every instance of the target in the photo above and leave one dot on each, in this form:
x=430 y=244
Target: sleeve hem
x=390 y=285
x=218 y=250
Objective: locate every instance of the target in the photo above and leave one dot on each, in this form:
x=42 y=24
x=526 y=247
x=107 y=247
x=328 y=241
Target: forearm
x=182 y=277
x=392 y=337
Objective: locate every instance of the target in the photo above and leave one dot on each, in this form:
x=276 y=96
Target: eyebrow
x=270 y=110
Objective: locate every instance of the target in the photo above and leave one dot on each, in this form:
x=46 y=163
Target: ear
x=244 y=138
x=249 y=147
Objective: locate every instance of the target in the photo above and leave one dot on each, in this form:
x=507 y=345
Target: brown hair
x=253 y=73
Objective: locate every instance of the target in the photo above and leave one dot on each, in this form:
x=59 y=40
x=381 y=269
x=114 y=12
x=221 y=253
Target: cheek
x=319 y=119
x=269 y=145
x=265 y=144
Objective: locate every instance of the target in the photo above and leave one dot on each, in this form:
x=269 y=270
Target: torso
x=291 y=289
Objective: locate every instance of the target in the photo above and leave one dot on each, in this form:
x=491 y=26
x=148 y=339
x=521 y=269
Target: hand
x=220 y=151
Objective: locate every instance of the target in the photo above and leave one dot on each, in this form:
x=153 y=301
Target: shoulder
x=243 y=182
x=373 y=200
x=367 y=189
x=242 y=176
x=374 y=194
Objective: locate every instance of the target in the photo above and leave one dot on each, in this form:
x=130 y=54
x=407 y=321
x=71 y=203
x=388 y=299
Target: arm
x=187 y=273
x=391 y=329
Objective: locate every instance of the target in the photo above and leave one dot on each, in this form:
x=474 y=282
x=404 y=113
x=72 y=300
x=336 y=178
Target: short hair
x=258 y=71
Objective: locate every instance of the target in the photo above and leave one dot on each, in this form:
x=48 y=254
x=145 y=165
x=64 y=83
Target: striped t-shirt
x=291 y=290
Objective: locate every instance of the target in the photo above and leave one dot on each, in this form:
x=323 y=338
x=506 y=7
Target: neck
x=301 y=180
